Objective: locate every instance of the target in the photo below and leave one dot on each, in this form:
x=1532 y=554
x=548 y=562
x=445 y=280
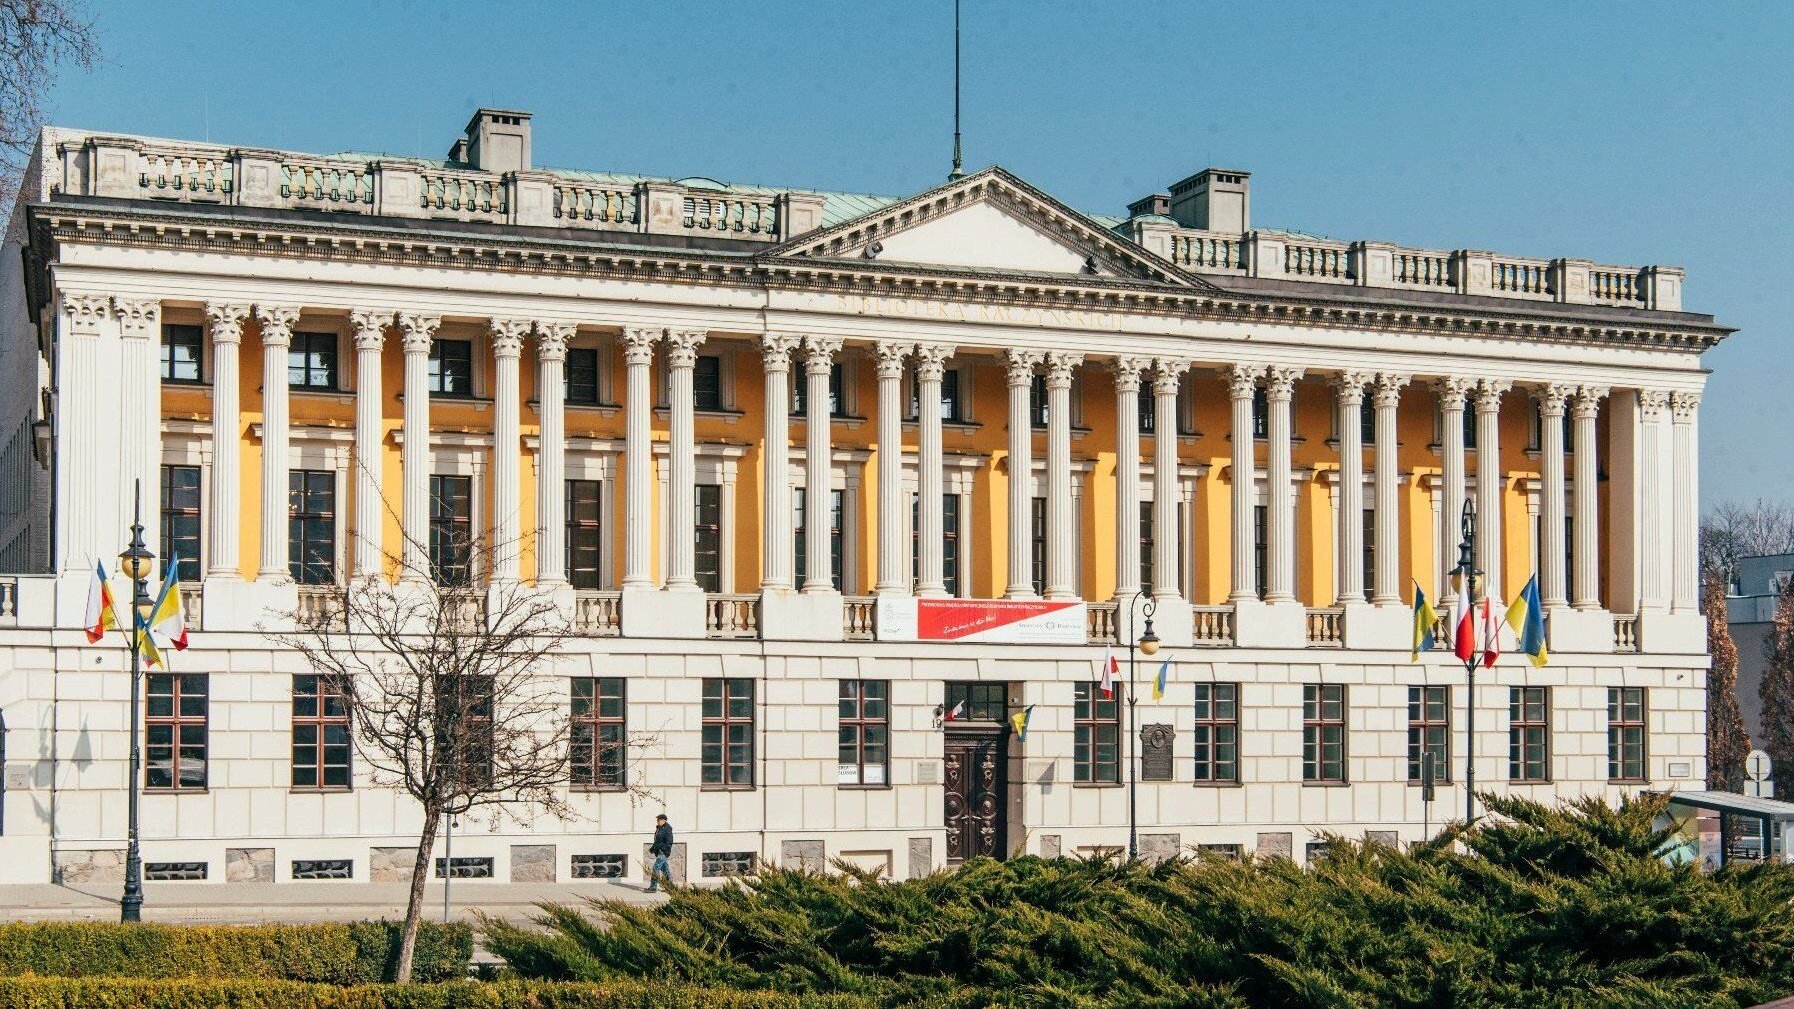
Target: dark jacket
x=663 y=840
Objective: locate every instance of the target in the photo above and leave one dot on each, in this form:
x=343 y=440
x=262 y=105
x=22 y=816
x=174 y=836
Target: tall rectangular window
x=1470 y=426
x=320 y=733
x=1146 y=545
x=311 y=361
x=707 y=383
x=1370 y=547
x=1625 y=734
x=950 y=543
x=977 y=702
x=465 y=733
x=1429 y=733
x=1096 y=728
x=599 y=743
x=451 y=528
x=865 y=733
x=1037 y=402
x=1367 y=421
x=800 y=392
x=953 y=409
x=311 y=526
x=582 y=375
x=1037 y=542
x=180 y=519
x=1217 y=733
x=1529 y=733
x=451 y=368
x=1149 y=416
x=584 y=539
x=175 y=733
x=799 y=525
x=1324 y=733
x=728 y=729
x=707 y=550
x=1261 y=414
x=182 y=353
x=1261 y=535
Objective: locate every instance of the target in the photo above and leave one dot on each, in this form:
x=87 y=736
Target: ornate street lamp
x=138 y=564
x=1147 y=644
x=1466 y=568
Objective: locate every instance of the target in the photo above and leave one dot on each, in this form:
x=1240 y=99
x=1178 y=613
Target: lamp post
x=135 y=562
x=1148 y=644
x=1466 y=568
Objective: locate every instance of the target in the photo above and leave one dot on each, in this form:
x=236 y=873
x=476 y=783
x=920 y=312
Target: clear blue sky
x=1619 y=132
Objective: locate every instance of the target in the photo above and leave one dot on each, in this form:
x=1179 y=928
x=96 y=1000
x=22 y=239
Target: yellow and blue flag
x=1158 y=682
x=1527 y=617
x=1424 y=619
x=1020 y=720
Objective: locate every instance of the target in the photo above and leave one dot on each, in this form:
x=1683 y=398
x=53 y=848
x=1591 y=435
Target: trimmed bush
x=197 y=993
x=338 y=953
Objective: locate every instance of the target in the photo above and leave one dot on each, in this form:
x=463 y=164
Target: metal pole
x=448 y=861
x=130 y=905
x=956 y=172
x=1133 y=836
x=1467 y=572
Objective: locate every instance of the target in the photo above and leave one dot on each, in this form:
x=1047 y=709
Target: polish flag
x=1491 y=631
x=1463 y=626
x=1110 y=669
x=957 y=710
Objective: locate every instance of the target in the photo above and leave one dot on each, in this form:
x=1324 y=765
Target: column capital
x=1059 y=366
x=1553 y=397
x=277 y=324
x=419 y=329
x=552 y=338
x=138 y=319
x=1127 y=371
x=682 y=346
x=507 y=336
x=1453 y=390
x=931 y=360
x=776 y=350
x=370 y=328
x=1389 y=389
x=1167 y=374
x=226 y=321
x=1280 y=382
x=1242 y=380
x=819 y=353
x=638 y=343
x=1489 y=392
x=1019 y=365
x=890 y=355
x=85 y=312
x=1652 y=403
x=1683 y=404
x=1588 y=400
x=1350 y=386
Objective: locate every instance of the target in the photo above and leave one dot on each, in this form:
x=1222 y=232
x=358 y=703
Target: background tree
x=1727 y=742
x=1776 y=692
x=1732 y=531
x=36 y=36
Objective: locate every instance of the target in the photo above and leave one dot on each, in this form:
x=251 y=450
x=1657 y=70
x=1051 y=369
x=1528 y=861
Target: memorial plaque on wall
x=1155 y=752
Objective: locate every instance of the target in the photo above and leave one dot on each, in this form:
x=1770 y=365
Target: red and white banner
x=1010 y=621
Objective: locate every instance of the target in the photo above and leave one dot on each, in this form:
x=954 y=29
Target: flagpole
x=1149 y=643
x=1466 y=567
x=136 y=558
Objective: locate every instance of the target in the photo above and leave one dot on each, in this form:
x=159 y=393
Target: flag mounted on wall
x=102 y=609
x=1020 y=720
x=1110 y=668
x=1424 y=619
x=1158 y=682
x=1527 y=617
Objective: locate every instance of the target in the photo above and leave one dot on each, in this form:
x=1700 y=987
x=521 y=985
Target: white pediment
x=984 y=236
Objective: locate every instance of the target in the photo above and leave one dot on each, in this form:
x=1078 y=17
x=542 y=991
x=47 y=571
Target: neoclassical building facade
x=810 y=472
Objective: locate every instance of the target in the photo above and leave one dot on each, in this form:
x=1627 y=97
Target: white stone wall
x=65 y=704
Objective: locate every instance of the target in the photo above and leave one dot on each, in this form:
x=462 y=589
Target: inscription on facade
x=1155 y=752
x=956 y=311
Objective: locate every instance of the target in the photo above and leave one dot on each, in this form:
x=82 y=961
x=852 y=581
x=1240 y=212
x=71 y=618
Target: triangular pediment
x=990 y=222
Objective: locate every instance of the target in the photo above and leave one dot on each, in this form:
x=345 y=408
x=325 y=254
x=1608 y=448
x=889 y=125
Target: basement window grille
x=168 y=871
x=728 y=863
x=323 y=868
x=598 y=866
x=471 y=867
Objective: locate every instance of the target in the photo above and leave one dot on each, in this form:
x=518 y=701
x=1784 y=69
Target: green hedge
x=338 y=953
x=196 y=993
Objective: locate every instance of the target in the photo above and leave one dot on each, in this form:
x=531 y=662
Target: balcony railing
x=598 y=614
x=192 y=607
x=9 y=601
x=1214 y=625
x=317 y=604
x=859 y=619
x=731 y=616
x=1625 y=632
x=1326 y=627
x=1102 y=622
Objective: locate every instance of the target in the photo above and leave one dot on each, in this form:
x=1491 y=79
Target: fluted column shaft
x=1685 y=591
x=1350 y=537
x=776 y=555
x=1552 y=399
x=370 y=338
x=1061 y=539
x=507 y=490
x=1019 y=369
x=1452 y=395
x=819 y=358
x=1653 y=404
x=414 y=456
x=1489 y=525
x=1387 y=591
x=682 y=476
x=1127 y=475
x=140 y=413
x=638 y=461
x=1242 y=384
x=226 y=324
x=1588 y=516
x=930 y=482
x=1166 y=541
x=277 y=336
x=1280 y=531
x=551 y=451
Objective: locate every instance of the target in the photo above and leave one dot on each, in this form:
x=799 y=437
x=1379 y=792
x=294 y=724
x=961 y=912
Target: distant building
x=1750 y=610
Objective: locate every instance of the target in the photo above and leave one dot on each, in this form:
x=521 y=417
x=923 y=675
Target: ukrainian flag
x=1020 y=720
x=1424 y=619
x=1158 y=682
x=1527 y=617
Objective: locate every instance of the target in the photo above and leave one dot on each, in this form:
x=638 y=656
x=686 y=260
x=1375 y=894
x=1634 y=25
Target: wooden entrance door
x=976 y=796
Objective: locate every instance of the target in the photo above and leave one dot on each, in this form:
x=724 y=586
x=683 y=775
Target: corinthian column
x=819 y=361
x=1242 y=383
x=370 y=337
x=1166 y=542
x=682 y=518
x=551 y=451
x=775 y=525
x=1452 y=394
x=226 y=324
x=507 y=446
x=1127 y=475
x=931 y=361
x=1061 y=541
x=140 y=414
x=1551 y=541
x=277 y=336
x=1280 y=531
x=1349 y=541
x=414 y=455
x=1685 y=591
x=1019 y=367
x=1387 y=591
x=1588 y=516
x=1653 y=404
x=1489 y=525
x=638 y=462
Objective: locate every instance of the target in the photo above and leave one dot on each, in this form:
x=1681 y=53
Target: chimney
x=1156 y=205
x=497 y=140
x=1214 y=199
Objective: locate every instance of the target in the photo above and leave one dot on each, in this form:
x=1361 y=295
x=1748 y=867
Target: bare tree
x=1777 y=689
x=1727 y=741
x=36 y=36
x=446 y=684
x=1733 y=531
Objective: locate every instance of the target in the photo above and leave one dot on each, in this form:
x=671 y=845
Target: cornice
x=364 y=242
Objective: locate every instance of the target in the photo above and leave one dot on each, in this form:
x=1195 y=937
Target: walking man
x=661 y=849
